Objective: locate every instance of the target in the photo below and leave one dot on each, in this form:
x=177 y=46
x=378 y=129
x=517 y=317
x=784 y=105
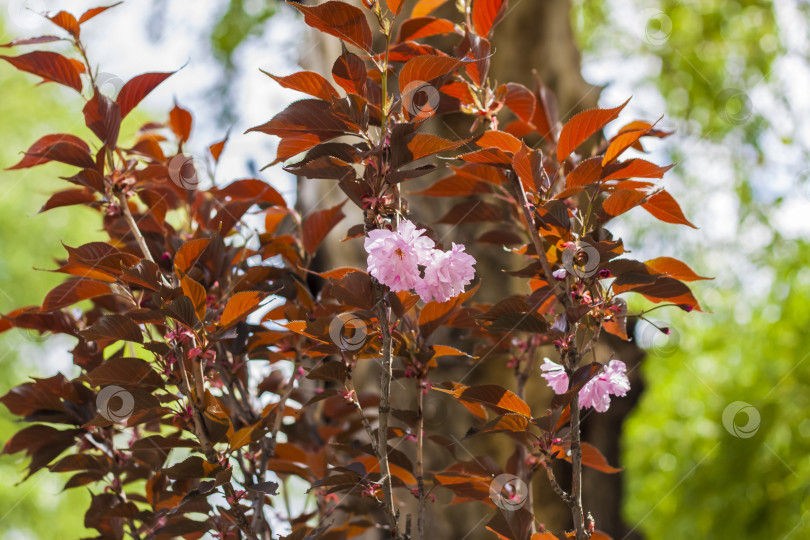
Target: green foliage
x=688 y=475
x=709 y=54
x=242 y=19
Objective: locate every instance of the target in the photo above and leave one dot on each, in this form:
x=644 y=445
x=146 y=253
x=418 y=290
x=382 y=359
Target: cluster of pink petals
x=612 y=380
x=395 y=257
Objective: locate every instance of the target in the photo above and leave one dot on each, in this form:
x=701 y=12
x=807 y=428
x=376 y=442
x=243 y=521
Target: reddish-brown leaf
x=528 y=165
x=251 y=189
x=239 y=306
x=634 y=168
x=422 y=27
x=486 y=14
x=90 y=13
x=395 y=6
x=138 y=88
x=307 y=82
x=50 y=66
x=520 y=100
x=473 y=211
x=198 y=296
x=103 y=117
x=68 y=197
x=180 y=121
x=341 y=20
x=582 y=126
x=664 y=206
x=426 y=144
x=500 y=140
x=189 y=252
x=491 y=395
x=455 y=186
x=425 y=7
x=116 y=327
x=673 y=268
x=350 y=73
x=424 y=69
x=593 y=458
x=318 y=224
x=68 y=22
x=63 y=150
x=31 y=41
x=307 y=116
x=72 y=291
x=217 y=148
x=622 y=142
x=587 y=172
x=622 y=200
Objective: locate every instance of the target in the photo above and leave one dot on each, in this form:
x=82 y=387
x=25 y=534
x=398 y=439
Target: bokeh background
x=718 y=446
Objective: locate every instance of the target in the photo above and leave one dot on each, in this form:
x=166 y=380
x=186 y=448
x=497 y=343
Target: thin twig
x=384 y=411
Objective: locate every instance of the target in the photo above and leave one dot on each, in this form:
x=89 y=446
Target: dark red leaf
x=622 y=200
x=138 y=88
x=31 y=41
x=349 y=72
x=587 y=172
x=471 y=212
x=486 y=14
x=664 y=206
x=68 y=197
x=341 y=20
x=180 y=121
x=633 y=168
x=90 y=13
x=116 y=327
x=239 y=306
x=318 y=224
x=422 y=27
x=582 y=126
x=103 y=117
x=307 y=82
x=65 y=20
x=424 y=69
x=425 y=7
x=50 y=66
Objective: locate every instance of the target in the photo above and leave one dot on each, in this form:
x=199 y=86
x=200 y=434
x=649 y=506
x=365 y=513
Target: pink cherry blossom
x=446 y=274
x=555 y=375
x=394 y=256
x=612 y=380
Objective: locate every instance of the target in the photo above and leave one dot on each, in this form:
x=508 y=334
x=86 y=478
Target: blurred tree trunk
x=534 y=35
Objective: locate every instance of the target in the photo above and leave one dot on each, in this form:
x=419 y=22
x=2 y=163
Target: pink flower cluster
x=612 y=380
x=395 y=258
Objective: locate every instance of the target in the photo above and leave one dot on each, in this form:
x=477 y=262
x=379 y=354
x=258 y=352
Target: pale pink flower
x=394 y=256
x=555 y=375
x=612 y=380
x=446 y=274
